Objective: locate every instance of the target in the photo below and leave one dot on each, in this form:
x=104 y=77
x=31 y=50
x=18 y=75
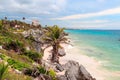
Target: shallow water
x=103 y=45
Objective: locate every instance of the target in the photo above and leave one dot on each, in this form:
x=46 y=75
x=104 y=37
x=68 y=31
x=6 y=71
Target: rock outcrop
x=74 y=71
x=71 y=71
x=37 y=35
x=43 y=77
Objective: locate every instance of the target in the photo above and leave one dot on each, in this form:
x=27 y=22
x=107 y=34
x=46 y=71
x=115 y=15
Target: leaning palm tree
x=54 y=37
x=3 y=69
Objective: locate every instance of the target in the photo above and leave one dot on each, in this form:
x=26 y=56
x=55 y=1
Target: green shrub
x=15 y=45
x=35 y=71
x=3 y=57
x=4 y=40
x=0 y=24
x=11 y=61
x=28 y=71
x=24 y=58
x=42 y=70
x=17 y=65
x=52 y=74
x=3 y=70
x=13 y=76
x=0 y=27
x=33 y=55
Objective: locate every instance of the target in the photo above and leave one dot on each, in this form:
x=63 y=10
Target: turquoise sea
x=103 y=45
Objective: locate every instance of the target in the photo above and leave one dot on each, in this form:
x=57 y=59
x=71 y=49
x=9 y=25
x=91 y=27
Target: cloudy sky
x=81 y=14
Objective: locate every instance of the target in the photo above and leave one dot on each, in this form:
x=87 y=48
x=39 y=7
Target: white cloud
x=88 y=15
x=112 y=25
x=92 y=24
x=32 y=6
x=0 y=7
x=92 y=21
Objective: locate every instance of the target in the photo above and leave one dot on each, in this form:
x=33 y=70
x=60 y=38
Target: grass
x=52 y=74
x=15 y=45
x=6 y=35
x=15 y=54
x=33 y=55
x=17 y=65
x=12 y=54
x=11 y=75
x=35 y=71
x=3 y=70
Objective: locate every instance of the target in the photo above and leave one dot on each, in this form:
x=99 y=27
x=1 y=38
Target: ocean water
x=102 y=45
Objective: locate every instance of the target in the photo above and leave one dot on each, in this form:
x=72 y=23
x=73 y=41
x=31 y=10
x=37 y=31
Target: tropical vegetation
x=3 y=70
x=55 y=36
x=27 y=63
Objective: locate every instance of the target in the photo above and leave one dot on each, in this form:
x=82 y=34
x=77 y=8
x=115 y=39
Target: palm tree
x=23 y=18
x=5 y=18
x=23 y=24
x=54 y=37
x=3 y=69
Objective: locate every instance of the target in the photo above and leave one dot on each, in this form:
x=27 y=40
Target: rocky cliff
x=71 y=70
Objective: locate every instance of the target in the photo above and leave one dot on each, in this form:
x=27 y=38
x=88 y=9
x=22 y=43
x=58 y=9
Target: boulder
x=59 y=67
x=72 y=70
x=37 y=35
x=62 y=77
x=61 y=52
x=43 y=77
x=55 y=66
x=75 y=72
x=85 y=75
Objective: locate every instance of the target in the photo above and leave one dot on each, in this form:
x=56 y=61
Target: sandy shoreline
x=92 y=66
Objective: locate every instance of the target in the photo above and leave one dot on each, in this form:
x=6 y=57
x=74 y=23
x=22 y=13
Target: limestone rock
x=59 y=67
x=61 y=52
x=62 y=77
x=37 y=35
x=43 y=77
x=75 y=72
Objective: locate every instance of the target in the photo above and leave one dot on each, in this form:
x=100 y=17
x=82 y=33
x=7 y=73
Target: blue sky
x=80 y=14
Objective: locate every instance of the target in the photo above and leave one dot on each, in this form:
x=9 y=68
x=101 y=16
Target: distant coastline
x=94 y=29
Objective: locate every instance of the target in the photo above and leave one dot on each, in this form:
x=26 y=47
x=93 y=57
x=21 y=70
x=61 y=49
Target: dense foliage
x=13 y=50
x=16 y=45
x=17 y=65
x=33 y=55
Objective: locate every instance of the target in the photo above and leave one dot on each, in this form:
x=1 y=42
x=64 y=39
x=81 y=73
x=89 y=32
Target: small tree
x=54 y=37
x=23 y=18
x=5 y=18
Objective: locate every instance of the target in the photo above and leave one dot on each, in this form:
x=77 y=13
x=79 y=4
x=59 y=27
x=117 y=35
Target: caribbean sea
x=102 y=45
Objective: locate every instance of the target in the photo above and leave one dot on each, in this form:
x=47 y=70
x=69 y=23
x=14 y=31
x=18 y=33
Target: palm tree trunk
x=55 y=57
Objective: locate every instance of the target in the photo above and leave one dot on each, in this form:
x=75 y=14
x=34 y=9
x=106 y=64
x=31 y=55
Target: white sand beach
x=92 y=66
